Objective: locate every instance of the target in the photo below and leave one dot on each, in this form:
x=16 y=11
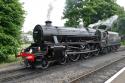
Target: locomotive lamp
x=30 y=58
x=30 y=51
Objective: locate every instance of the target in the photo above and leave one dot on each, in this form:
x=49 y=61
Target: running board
x=81 y=52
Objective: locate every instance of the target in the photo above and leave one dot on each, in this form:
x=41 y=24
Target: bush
x=8 y=45
x=123 y=42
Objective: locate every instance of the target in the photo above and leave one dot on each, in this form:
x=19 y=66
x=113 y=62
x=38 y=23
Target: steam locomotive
x=60 y=44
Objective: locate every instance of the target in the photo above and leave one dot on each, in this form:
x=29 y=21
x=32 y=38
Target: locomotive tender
x=52 y=43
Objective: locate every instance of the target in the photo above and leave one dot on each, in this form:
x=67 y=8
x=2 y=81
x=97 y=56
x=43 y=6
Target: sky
x=37 y=11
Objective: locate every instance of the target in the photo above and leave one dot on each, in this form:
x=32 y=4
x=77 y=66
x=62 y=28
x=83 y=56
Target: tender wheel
x=104 y=51
x=44 y=64
x=74 y=57
x=108 y=49
x=115 y=48
x=63 y=58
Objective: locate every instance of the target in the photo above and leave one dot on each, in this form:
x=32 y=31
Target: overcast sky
x=36 y=12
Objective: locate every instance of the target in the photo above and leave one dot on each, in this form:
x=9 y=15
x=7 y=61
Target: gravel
x=104 y=74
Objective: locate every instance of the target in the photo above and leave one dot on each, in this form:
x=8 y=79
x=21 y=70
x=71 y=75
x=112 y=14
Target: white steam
x=108 y=22
x=50 y=8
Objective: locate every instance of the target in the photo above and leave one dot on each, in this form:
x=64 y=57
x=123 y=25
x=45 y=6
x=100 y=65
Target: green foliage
x=123 y=42
x=7 y=46
x=11 y=20
x=72 y=12
x=121 y=25
x=90 y=11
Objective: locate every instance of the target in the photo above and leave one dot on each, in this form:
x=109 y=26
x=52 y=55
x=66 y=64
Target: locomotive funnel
x=48 y=23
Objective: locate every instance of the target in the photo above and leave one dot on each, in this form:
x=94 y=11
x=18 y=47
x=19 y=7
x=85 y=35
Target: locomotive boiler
x=45 y=32
x=61 y=44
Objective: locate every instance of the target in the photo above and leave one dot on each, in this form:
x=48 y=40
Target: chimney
x=48 y=23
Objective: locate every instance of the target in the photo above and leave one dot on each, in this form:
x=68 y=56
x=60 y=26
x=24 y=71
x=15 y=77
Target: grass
x=123 y=42
x=11 y=61
x=12 y=58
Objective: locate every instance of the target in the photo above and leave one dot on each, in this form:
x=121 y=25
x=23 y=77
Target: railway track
x=100 y=75
x=23 y=74
x=17 y=75
x=13 y=74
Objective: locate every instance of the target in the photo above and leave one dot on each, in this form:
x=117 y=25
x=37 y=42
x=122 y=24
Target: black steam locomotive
x=52 y=43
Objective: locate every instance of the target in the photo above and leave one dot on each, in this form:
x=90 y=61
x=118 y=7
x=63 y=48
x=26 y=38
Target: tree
x=72 y=12
x=11 y=20
x=121 y=25
x=90 y=11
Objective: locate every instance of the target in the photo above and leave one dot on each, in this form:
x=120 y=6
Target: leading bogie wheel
x=44 y=64
x=28 y=64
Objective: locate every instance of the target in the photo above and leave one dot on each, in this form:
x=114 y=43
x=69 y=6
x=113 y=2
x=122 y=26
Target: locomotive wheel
x=86 y=55
x=44 y=64
x=89 y=54
x=74 y=57
x=96 y=53
x=63 y=58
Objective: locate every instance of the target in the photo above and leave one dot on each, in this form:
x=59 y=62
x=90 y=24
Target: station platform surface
x=119 y=77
